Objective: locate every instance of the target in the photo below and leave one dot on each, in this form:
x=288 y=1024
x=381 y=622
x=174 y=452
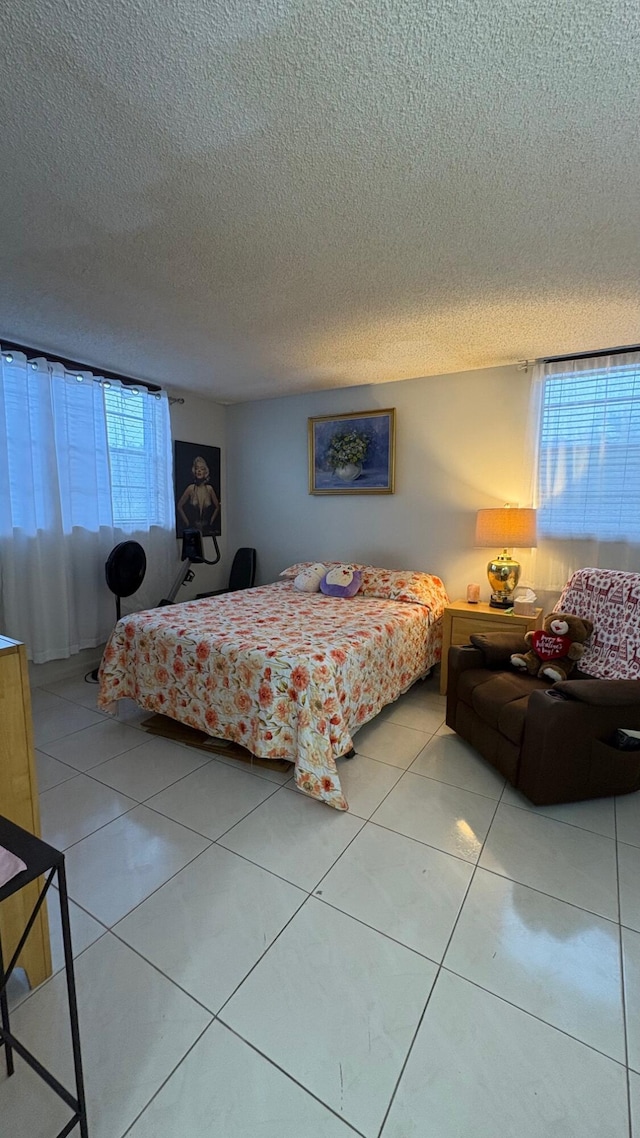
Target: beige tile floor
x=443 y=960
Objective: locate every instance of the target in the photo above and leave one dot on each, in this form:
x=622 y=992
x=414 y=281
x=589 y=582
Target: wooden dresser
x=19 y=803
x=460 y=619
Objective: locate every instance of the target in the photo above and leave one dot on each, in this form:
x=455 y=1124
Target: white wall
x=460 y=445
x=200 y=420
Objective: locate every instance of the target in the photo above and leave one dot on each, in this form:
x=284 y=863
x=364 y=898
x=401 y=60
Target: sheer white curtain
x=584 y=438
x=84 y=464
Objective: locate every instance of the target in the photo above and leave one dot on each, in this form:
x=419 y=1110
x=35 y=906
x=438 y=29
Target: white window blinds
x=588 y=482
x=139 y=443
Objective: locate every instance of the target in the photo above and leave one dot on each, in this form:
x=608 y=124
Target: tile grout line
x=76 y=956
x=536 y=812
x=292 y=1078
x=532 y=1015
x=262 y=955
x=552 y=896
x=147 y=736
x=111 y=929
x=221 y=759
x=118 y=755
x=268 y=798
x=387 y=936
x=156 y=968
x=441 y=967
x=145 y=802
x=66 y=849
x=312 y=895
x=309 y=894
x=631 y=845
x=264 y=868
x=622 y=969
x=370 y=819
x=530 y=888
x=380 y=826
x=211 y=842
x=494 y=872
x=437 y=975
x=169 y=1076
x=453 y=785
x=110 y=717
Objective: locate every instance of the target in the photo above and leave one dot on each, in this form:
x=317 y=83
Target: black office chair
x=242 y=575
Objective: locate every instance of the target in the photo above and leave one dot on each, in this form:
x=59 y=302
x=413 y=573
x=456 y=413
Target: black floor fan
x=124 y=572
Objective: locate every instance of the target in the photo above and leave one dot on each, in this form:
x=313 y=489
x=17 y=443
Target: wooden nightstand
x=460 y=619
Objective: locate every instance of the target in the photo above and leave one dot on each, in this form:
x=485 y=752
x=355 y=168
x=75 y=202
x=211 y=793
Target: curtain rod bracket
x=174 y=399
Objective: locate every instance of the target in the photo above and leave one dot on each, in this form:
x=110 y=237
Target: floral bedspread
x=285 y=674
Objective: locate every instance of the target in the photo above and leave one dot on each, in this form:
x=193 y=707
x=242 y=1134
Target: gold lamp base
x=503 y=573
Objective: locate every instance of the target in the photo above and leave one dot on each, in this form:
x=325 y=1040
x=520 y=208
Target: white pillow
x=308 y=581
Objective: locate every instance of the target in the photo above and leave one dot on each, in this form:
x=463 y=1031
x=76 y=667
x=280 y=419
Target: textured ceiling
x=253 y=197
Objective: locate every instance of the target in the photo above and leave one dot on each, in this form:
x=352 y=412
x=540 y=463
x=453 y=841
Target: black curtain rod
x=590 y=355
x=75 y=365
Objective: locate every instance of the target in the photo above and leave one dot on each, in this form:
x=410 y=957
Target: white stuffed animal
x=308 y=580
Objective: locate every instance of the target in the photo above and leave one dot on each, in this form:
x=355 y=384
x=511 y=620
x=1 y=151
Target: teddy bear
x=554 y=648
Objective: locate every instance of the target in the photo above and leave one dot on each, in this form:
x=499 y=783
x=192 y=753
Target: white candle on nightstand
x=473 y=594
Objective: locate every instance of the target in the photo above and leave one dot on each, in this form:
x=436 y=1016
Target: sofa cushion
x=512 y=717
x=494 y=747
x=490 y=693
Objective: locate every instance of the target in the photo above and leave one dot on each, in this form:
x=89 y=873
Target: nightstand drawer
x=461 y=620
x=463 y=626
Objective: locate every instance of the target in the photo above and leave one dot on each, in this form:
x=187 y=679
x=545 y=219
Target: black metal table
x=41 y=859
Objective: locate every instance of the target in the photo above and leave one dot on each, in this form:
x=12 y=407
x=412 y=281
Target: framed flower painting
x=352 y=454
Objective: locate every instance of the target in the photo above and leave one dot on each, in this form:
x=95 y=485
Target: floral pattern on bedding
x=389 y=584
x=285 y=674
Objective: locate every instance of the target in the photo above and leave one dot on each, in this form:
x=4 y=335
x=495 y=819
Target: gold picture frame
x=353 y=453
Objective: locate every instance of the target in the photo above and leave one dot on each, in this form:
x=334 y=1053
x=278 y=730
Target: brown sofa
x=556 y=743
x=553 y=742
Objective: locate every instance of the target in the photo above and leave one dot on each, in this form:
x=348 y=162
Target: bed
x=284 y=673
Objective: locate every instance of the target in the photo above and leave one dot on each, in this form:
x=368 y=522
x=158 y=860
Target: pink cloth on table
x=10 y=865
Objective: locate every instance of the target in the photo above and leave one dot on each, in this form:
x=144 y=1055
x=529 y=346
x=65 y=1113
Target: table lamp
x=511 y=527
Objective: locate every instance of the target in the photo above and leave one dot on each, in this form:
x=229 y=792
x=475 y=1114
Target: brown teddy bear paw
x=519 y=662
x=553 y=674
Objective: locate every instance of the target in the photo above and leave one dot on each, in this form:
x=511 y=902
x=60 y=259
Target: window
x=78 y=452
x=136 y=428
x=589 y=450
x=85 y=463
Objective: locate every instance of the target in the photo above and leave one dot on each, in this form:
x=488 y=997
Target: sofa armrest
x=568 y=751
x=464 y=656
x=600 y=693
x=461 y=658
x=498 y=647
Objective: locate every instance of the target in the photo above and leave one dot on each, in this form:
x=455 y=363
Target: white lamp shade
x=509 y=526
